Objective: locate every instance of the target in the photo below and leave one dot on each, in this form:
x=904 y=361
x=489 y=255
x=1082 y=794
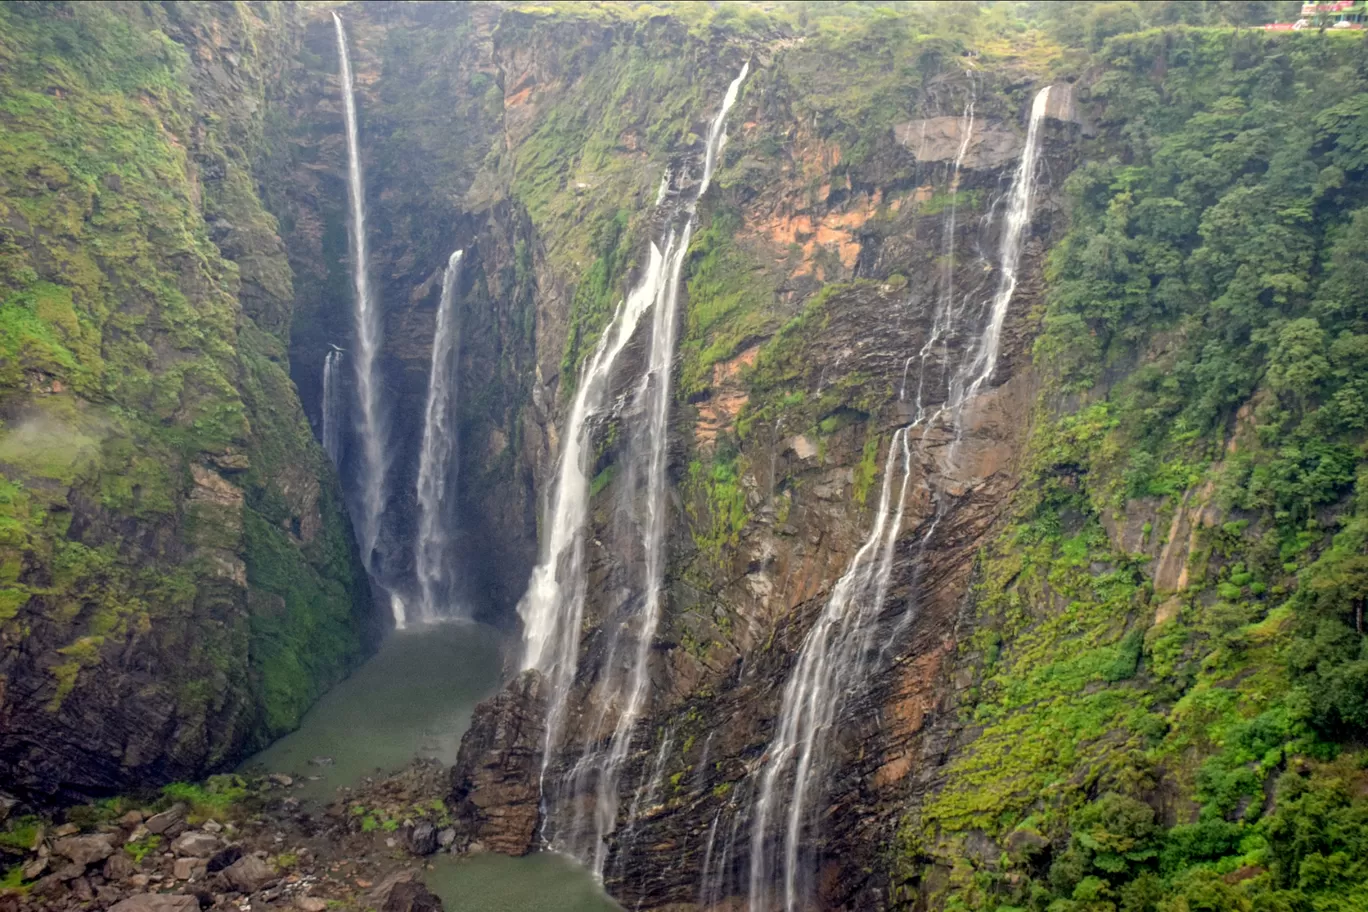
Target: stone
x=187 y=868
x=131 y=819
x=7 y=804
x=249 y=874
x=321 y=761
x=69 y=871
x=446 y=837
x=161 y=823
x=66 y=829
x=421 y=838
x=310 y=904
x=140 y=880
x=281 y=780
x=50 y=887
x=494 y=782
x=212 y=826
x=196 y=844
x=82 y=890
x=34 y=868
x=223 y=858
x=118 y=866
x=157 y=902
x=84 y=850
x=411 y=896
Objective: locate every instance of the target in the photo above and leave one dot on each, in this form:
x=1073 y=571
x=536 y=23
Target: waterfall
x=367 y=325
x=836 y=653
x=333 y=407
x=435 y=461
x=553 y=607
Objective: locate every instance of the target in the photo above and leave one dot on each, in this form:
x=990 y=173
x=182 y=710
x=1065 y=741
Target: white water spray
x=367 y=320
x=837 y=652
x=435 y=461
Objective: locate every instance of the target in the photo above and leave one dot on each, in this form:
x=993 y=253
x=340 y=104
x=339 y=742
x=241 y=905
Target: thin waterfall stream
x=435 y=461
x=836 y=653
x=371 y=474
x=334 y=409
x=553 y=607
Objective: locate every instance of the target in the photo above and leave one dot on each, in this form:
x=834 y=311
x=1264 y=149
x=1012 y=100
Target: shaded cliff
x=180 y=579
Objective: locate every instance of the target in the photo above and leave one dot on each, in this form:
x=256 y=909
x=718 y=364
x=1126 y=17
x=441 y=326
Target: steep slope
x=180 y=581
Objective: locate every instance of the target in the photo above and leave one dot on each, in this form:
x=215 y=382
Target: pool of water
x=414 y=699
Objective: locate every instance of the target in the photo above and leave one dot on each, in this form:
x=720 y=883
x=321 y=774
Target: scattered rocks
x=421 y=838
x=281 y=780
x=212 y=826
x=411 y=896
x=84 y=850
x=118 y=866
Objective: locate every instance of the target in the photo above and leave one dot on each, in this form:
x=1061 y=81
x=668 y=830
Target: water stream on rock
x=334 y=409
x=371 y=474
x=440 y=444
x=837 y=652
x=553 y=607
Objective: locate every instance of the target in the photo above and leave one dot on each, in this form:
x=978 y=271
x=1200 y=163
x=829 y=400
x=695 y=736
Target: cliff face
x=180 y=579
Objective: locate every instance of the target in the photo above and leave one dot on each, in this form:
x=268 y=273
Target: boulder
x=187 y=868
x=249 y=874
x=421 y=838
x=310 y=904
x=166 y=820
x=223 y=858
x=157 y=902
x=84 y=850
x=446 y=837
x=196 y=844
x=411 y=896
x=119 y=866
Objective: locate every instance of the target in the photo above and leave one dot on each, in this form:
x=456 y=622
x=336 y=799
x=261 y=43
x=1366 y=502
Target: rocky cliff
x=180 y=581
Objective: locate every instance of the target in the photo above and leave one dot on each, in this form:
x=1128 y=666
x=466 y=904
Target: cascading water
x=553 y=607
x=435 y=460
x=371 y=474
x=333 y=407
x=837 y=651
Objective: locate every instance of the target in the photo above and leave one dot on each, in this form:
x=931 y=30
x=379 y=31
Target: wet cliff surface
x=1114 y=648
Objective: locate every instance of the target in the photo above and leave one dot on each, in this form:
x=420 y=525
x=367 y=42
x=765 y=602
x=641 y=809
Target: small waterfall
x=837 y=652
x=435 y=462
x=552 y=609
x=333 y=407
x=367 y=325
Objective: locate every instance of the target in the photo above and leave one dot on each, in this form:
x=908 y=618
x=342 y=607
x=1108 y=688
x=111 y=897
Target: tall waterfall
x=333 y=407
x=371 y=480
x=435 y=462
x=838 y=651
x=553 y=607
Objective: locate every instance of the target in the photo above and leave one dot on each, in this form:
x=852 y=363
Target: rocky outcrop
x=495 y=783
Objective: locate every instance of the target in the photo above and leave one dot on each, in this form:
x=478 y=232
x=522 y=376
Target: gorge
x=820 y=456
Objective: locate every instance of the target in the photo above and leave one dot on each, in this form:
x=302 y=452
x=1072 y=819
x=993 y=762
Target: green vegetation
x=215 y=798
x=1206 y=314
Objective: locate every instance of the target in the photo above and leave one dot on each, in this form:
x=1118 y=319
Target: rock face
x=494 y=782
x=180 y=580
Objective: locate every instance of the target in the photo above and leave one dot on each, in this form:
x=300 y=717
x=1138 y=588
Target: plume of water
x=552 y=609
x=837 y=652
x=333 y=407
x=439 y=447
x=367 y=324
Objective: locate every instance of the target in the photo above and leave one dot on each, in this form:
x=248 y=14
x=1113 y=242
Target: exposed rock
x=157 y=902
x=118 y=866
x=411 y=897
x=197 y=845
x=310 y=904
x=223 y=858
x=494 y=781
x=421 y=838
x=249 y=874
x=160 y=824
x=187 y=868
x=446 y=837
x=84 y=850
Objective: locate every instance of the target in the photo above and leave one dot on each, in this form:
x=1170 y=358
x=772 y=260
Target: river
x=414 y=699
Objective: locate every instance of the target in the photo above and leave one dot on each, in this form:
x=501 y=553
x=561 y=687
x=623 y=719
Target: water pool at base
x=414 y=699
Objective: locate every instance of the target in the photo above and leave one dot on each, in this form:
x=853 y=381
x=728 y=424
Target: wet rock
x=281 y=780
x=411 y=896
x=162 y=823
x=196 y=845
x=84 y=850
x=446 y=837
x=223 y=858
x=421 y=838
x=157 y=902
x=249 y=874
x=494 y=781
